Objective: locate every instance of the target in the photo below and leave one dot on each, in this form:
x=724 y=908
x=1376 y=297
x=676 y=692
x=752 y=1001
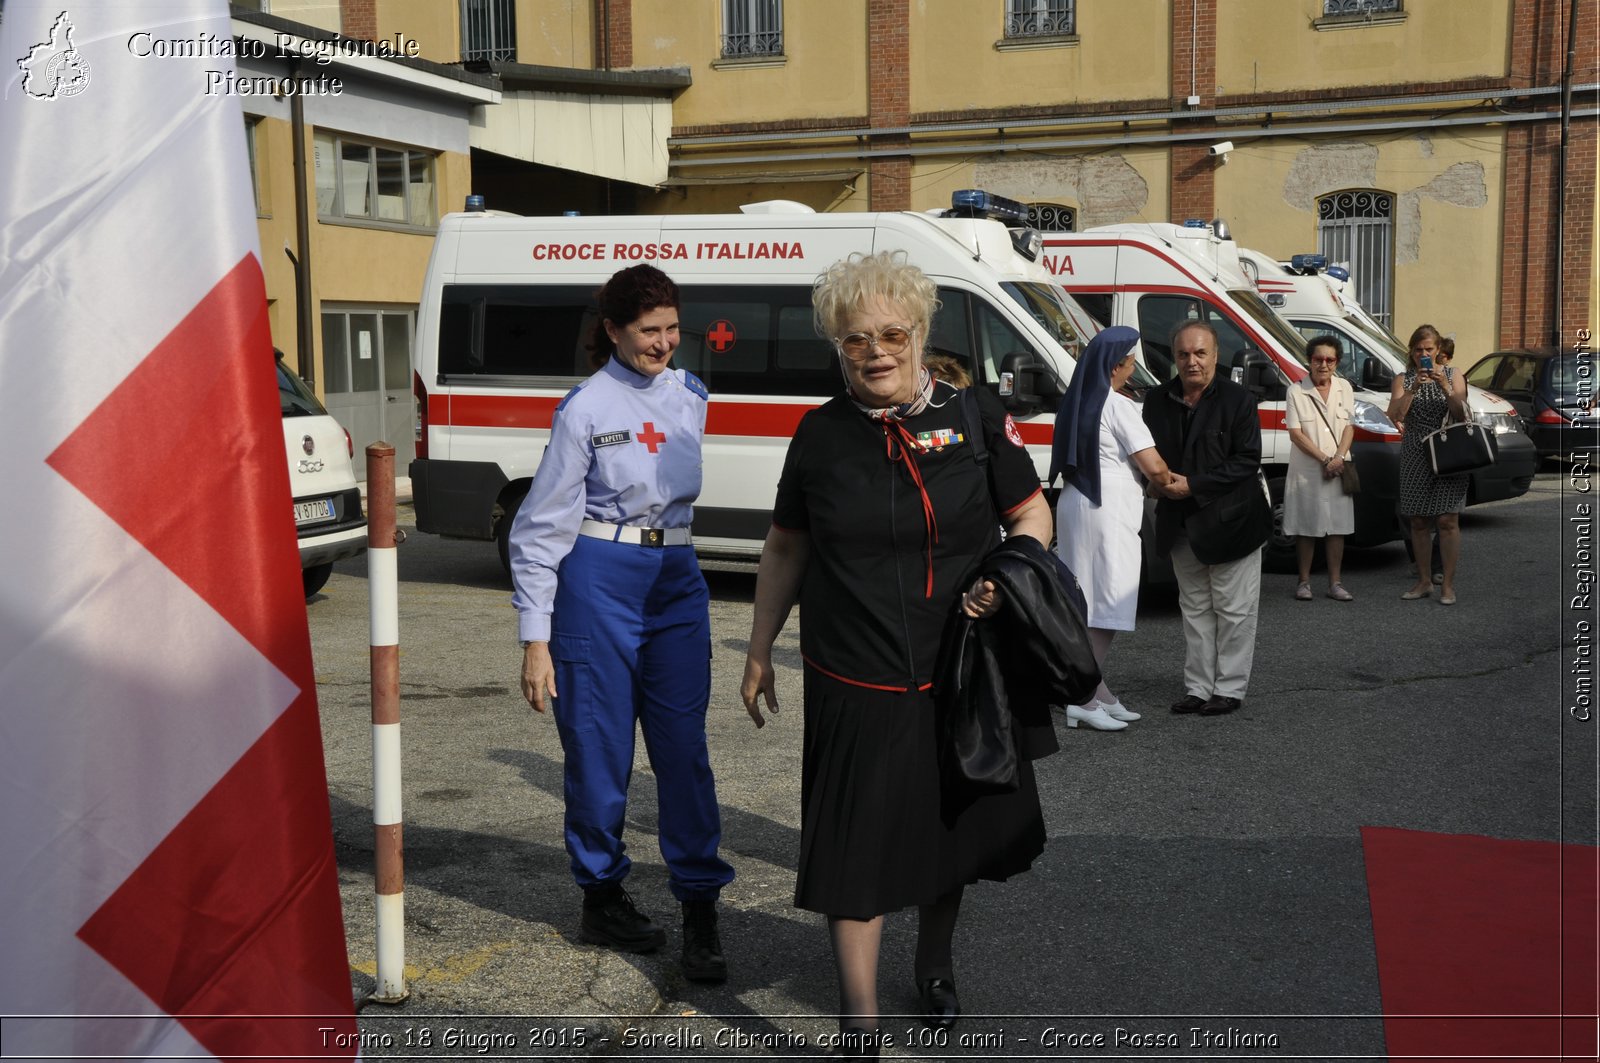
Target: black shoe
x=611 y=920
x=940 y=1006
x=1220 y=706
x=702 y=949
x=1188 y=703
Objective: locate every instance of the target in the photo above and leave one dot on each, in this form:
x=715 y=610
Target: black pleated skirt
x=872 y=839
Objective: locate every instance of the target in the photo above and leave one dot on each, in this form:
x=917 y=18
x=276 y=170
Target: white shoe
x=1095 y=717
x=1118 y=711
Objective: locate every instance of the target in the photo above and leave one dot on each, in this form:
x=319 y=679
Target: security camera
x=1220 y=148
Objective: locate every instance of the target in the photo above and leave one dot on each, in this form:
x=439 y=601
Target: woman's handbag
x=1460 y=446
x=1349 y=478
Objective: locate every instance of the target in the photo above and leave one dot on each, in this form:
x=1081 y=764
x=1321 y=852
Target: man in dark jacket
x=1212 y=519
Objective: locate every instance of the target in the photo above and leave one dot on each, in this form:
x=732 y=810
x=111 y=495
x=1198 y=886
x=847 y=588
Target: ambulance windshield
x=1269 y=322
x=1046 y=304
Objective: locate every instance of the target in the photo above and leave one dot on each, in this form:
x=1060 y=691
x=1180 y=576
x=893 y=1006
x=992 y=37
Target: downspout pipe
x=302 y=234
x=1561 y=170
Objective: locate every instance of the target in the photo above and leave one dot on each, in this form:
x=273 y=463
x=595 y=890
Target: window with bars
x=488 y=31
x=1041 y=18
x=1355 y=229
x=752 y=28
x=1052 y=218
x=1360 y=8
x=356 y=179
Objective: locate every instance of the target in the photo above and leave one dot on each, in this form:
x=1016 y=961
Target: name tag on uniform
x=610 y=439
x=939 y=438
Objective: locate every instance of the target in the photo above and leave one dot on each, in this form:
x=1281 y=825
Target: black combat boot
x=702 y=947
x=610 y=919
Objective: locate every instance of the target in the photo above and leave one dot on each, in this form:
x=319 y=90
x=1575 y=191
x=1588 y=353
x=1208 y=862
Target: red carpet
x=1487 y=949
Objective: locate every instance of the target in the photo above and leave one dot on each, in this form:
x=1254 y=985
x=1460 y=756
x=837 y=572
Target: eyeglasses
x=891 y=340
x=1324 y=361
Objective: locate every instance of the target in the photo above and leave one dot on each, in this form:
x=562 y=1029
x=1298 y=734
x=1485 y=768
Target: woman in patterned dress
x=1418 y=404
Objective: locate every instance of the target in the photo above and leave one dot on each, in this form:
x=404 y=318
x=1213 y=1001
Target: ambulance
x=1314 y=298
x=508 y=307
x=1155 y=276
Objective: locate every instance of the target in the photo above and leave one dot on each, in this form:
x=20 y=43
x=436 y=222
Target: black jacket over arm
x=998 y=677
x=1221 y=456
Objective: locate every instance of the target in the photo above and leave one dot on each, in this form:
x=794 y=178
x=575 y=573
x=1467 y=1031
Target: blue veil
x=1075 y=447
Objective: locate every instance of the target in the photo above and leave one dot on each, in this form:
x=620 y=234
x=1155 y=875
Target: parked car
x=1553 y=393
x=327 y=501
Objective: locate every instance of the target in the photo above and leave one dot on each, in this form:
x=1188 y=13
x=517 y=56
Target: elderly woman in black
x=883 y=510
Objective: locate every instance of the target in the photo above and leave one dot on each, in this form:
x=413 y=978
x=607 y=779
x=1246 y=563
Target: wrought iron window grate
x=1041 y=18
x=488 y=31
x=752 y=28
x=1359 y=8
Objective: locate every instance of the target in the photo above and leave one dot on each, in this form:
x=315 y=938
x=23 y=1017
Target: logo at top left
x=55 y=68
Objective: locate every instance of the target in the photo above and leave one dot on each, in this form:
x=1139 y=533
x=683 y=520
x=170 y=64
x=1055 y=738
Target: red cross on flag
x=168 y=873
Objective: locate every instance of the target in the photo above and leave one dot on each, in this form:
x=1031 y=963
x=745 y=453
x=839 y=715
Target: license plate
x=313 y=512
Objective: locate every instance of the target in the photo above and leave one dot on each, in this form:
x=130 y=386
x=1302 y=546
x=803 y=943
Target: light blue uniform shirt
x=624 y=449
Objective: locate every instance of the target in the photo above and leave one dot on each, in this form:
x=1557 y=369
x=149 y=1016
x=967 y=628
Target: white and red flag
x=167 y=881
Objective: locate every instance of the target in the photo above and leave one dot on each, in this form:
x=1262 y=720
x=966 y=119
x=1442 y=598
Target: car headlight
x=1498 y=423
x=1367 y=418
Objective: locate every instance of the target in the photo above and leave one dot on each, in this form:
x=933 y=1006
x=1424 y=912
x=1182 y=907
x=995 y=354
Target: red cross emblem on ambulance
x=721 y=335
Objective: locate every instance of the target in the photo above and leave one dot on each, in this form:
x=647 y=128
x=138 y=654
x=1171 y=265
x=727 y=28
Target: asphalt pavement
x=1203 y=893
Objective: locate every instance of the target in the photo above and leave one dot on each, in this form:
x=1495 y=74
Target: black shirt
x=866 y=614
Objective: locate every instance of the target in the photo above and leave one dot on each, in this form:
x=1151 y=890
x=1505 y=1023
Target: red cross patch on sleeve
x=1011 y=431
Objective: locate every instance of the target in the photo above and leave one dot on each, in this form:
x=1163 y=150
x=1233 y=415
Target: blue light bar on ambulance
x=1338 y=273
x=976 y=203
x=1309 y=263
x=1193 y=223
x=475 y=204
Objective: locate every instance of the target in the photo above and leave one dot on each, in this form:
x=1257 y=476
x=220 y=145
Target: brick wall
x=359 y=19
x=1528 y=257
x=889 y=100
x=1191 y=180
x=613 y=29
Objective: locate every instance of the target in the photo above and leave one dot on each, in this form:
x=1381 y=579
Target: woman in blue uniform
x=615 y=622
x=885 y=506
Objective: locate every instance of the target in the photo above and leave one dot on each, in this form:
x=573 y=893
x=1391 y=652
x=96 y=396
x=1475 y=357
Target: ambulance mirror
x=1375 y=376
x=1255 y=371
x=1033 y=385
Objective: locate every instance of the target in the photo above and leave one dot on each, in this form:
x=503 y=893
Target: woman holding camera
x=1419 y=402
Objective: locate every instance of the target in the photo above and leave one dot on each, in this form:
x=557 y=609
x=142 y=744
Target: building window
x=366 y=349
x=1041 y=18
x=1359 y=8
x=251 y=126
x=488 y=31
x=1355 y=229
x=1052 y=218
x=752 y=28
x=375 y=182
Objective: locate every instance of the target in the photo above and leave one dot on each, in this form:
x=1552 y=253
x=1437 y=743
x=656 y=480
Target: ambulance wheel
x=315 y=576
x=1279 y=555
x=502 y=529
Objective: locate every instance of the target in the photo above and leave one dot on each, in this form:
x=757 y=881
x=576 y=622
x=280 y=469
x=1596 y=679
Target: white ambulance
x=1155 y=276
x=1314 y=298
x=509 y=305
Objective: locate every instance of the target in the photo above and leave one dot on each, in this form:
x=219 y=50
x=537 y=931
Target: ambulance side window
x=997 y=338
x=515 y=330
x=951 y=333
x=756 y=340
x=1097 y=305
x=1159 y=315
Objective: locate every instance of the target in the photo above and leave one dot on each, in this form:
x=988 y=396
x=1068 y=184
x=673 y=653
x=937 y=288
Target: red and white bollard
x=383 y=584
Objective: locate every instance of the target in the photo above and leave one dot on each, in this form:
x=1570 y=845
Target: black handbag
x=1460 y=446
